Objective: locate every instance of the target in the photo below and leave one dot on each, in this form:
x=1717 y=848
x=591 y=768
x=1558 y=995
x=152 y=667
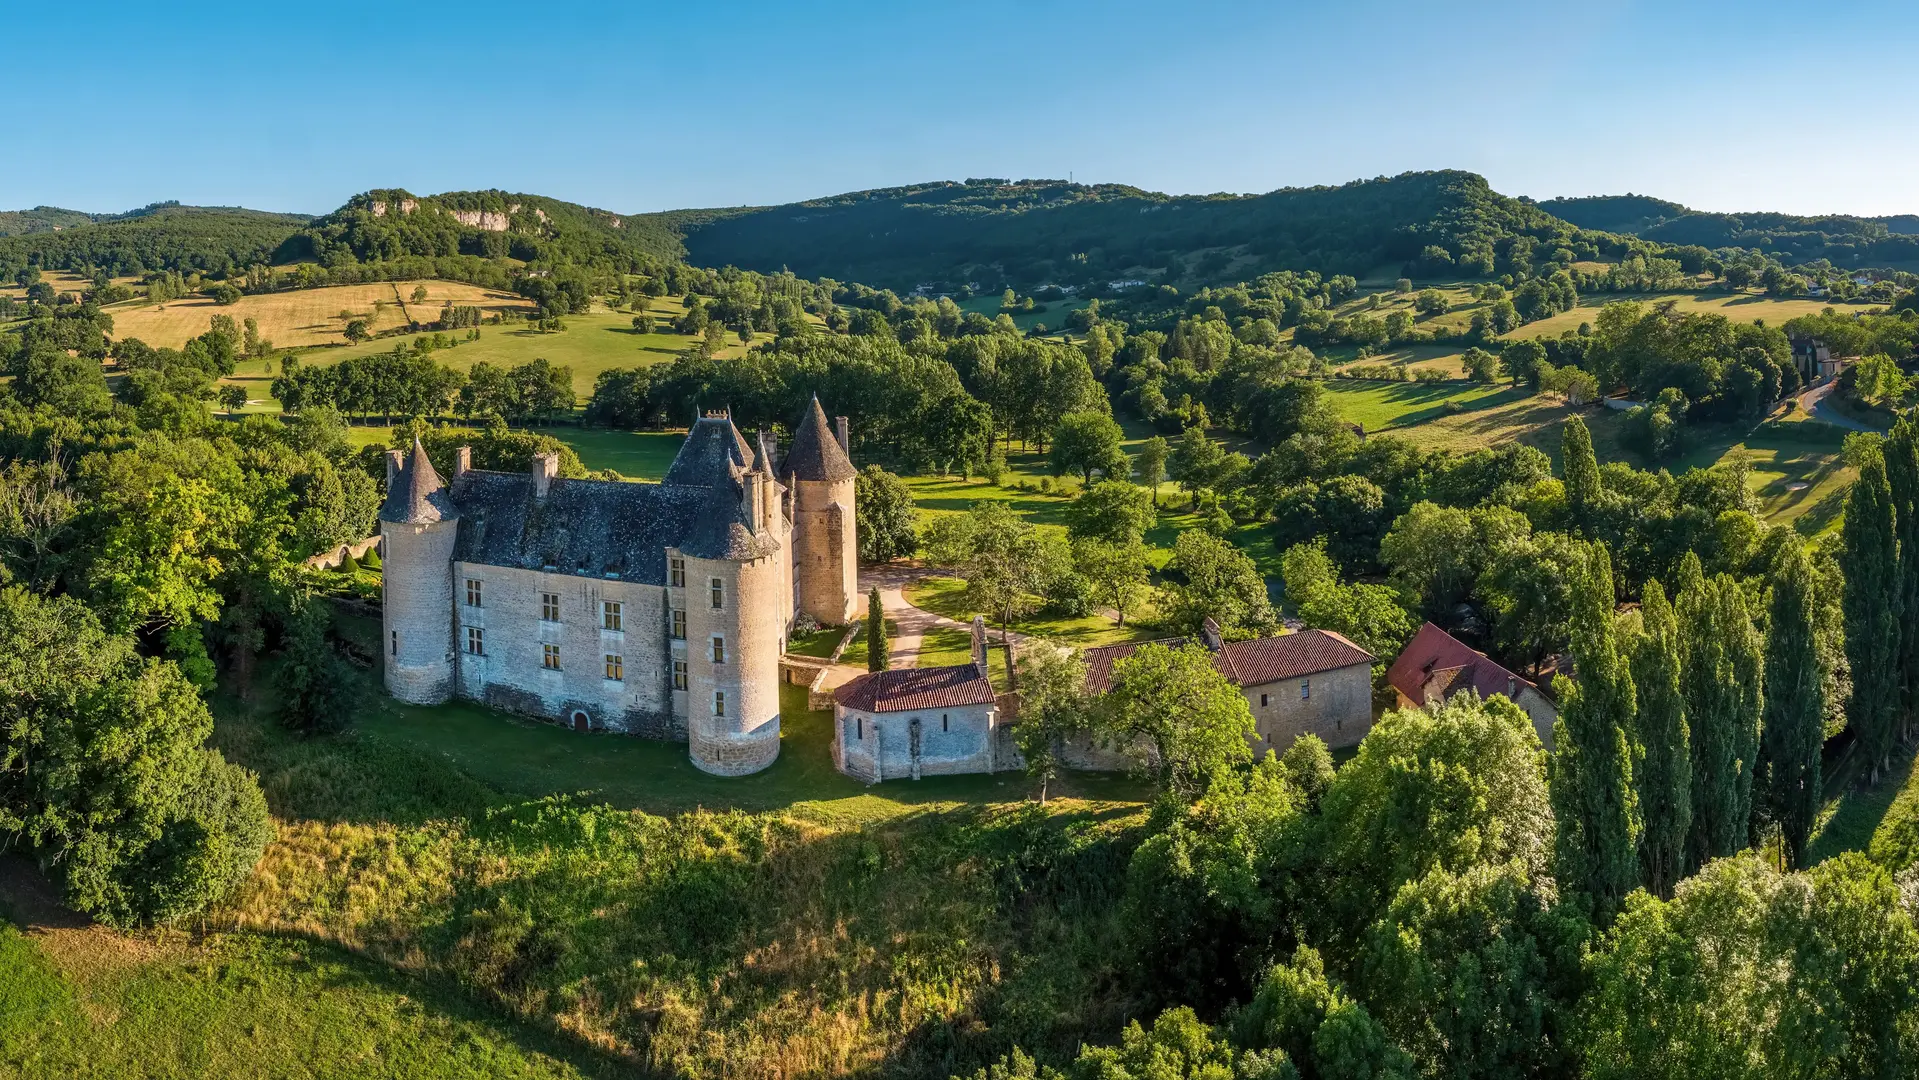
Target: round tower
x=820 y=476
x=733 y=704
x=418 y=527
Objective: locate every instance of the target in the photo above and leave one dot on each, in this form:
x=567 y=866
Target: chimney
x=393 y=461
x=1210 y=636
x=979 y=644
x=462 y=461
x=546 y=466
x=769 y=452
x=839 y=429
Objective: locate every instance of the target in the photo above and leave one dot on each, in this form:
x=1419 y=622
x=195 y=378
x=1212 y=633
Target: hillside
x=164 y=236
x=42 y=219
x=1846 y=240
x=388 y=224
x=1033 y=231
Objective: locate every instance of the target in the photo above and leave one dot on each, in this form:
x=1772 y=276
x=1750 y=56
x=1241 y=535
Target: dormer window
x=679 y=573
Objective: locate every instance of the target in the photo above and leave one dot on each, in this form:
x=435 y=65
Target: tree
x=1665 y=771
x=1479 y=365
x=1750 y=973
x=419 y=294
x=1794 y=727
x=1220 y=582
x=886 y=519
x=1437 y=552
x=356 y=331
x=1723 y=669
x=1583 y=485
x=317 y=688
x=1150 y=465
x=1195 y=461
x=1300 y=1011
x=1005 y=562
x=1089 y=442
x=1177 y=716
x=1368 y=614
x=1117 y=571
x=1872 y=597
x=233 y=397
x=1053 y=707
x=1519 y=361
x=1115 y=511
x=1528 y=592
x=877 y=657
x=1594 y=803
x=1901 y=451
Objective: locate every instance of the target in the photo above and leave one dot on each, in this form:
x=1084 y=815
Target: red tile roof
x=908 y=689
x=1435 y=665
x=1246 y=663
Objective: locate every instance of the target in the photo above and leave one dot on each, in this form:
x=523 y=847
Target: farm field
x=300 y=318
x=1739 y=307
x=1054 y=316
x=1384 y=406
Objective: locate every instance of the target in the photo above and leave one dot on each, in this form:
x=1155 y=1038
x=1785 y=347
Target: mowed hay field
x=1739 y=307
x=304 y=317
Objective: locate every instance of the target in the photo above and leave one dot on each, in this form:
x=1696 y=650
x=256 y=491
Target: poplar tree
x=1596 y=809
x=1901 y=450
x=1665 y=768
x=1722 y=668
x=1582 y=475
x=1871 y=603
x=1795 y=725
x=876 y=646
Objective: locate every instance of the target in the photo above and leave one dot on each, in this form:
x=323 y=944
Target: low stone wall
x=345 y=551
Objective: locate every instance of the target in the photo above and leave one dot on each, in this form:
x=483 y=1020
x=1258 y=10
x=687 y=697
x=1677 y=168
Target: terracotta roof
x=908 y=689
x=1435 y=665
x=417 y=496
x=816 y=453
x=1246 y=663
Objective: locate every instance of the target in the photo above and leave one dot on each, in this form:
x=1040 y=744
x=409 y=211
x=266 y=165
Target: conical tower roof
x=816 y=453
x=417 y=495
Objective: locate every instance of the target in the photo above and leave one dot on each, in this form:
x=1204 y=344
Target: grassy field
x=1382 y=406
x=1054 y=316
x=1739 y=307
x=301 y=318
x=946 y=596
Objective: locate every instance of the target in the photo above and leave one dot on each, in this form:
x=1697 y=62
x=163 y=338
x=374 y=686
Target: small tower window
x=679 y=573
x=719 y=703
x=859 y=728
x=473 y=593
x=679 y=674
x=476 y=641
x=610 y=615
x=718 y=589
x=1305 y=689
x=550 y=657
x=679 y=625
x=549 y=607
x=615 y=667
x=719 y=649
x=396 y=643
x=1262 y=701
x=943 y=723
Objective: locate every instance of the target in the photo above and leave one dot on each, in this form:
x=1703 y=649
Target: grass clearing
x=299 y=318
x=1739 y=307
x=1054 y=316
x=947 y=596
x=1382 y=406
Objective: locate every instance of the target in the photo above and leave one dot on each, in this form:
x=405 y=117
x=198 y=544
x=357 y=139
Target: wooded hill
x=164 y=236
x=1029 y=232
x=1846 y=240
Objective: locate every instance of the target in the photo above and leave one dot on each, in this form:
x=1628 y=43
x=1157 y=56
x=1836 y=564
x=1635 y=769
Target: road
x=1813 y=402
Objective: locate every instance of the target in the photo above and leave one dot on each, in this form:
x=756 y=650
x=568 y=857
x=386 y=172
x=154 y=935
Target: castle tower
x=418 y=526
x=825 y=546
x=733 y=563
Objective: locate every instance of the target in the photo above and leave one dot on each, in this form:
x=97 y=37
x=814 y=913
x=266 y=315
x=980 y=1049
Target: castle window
x=719 y=649
x=476 y=641
x=718 y=589
x=679 y=625
x=719 y=703
x=615 y=667
x=473 y=592
x=610 y=615
x=679 y=573
x=859 y=728
x=679 y=674
x=943 y=723
x=550 y=657
x=1262 y=701
x=549 y=607
x=1305 y=689
x=396 y=643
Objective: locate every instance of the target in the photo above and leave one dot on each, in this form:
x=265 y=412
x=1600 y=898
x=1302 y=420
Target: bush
x=370 y=560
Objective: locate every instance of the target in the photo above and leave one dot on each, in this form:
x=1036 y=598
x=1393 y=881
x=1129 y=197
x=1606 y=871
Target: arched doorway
x=581 y=721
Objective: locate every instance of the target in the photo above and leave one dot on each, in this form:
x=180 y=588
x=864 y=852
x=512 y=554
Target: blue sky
x=1760 y=105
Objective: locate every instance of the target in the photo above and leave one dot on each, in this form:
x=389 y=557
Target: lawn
x=636 y=455
x=856 y=651
x=1054 y=316
x=1383 y=406
x=946 y=596
x=86 y=1003
x=819 y=644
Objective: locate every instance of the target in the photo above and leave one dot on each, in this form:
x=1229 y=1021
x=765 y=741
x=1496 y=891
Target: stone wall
x=1339 y=708
x=825 y=551
x=511 y=673
x=417 y=611
x=749 y=620
x=884 y=746
x=355 y=551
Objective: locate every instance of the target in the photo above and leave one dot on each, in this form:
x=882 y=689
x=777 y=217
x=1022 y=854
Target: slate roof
x=417 y=496
x=612 y=527
x=1435 y=665
x=910 y=689
x=1245 y=663
x=816 y=453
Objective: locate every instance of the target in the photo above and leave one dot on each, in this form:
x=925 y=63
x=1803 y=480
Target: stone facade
x=915 y=722
x=659 y=610
x=1336 y=705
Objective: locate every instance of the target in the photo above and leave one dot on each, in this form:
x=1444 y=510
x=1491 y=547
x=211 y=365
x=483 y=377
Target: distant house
x=1435 y=665
x=1814 y=360
x=1125 y=283
x=1313 y=681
